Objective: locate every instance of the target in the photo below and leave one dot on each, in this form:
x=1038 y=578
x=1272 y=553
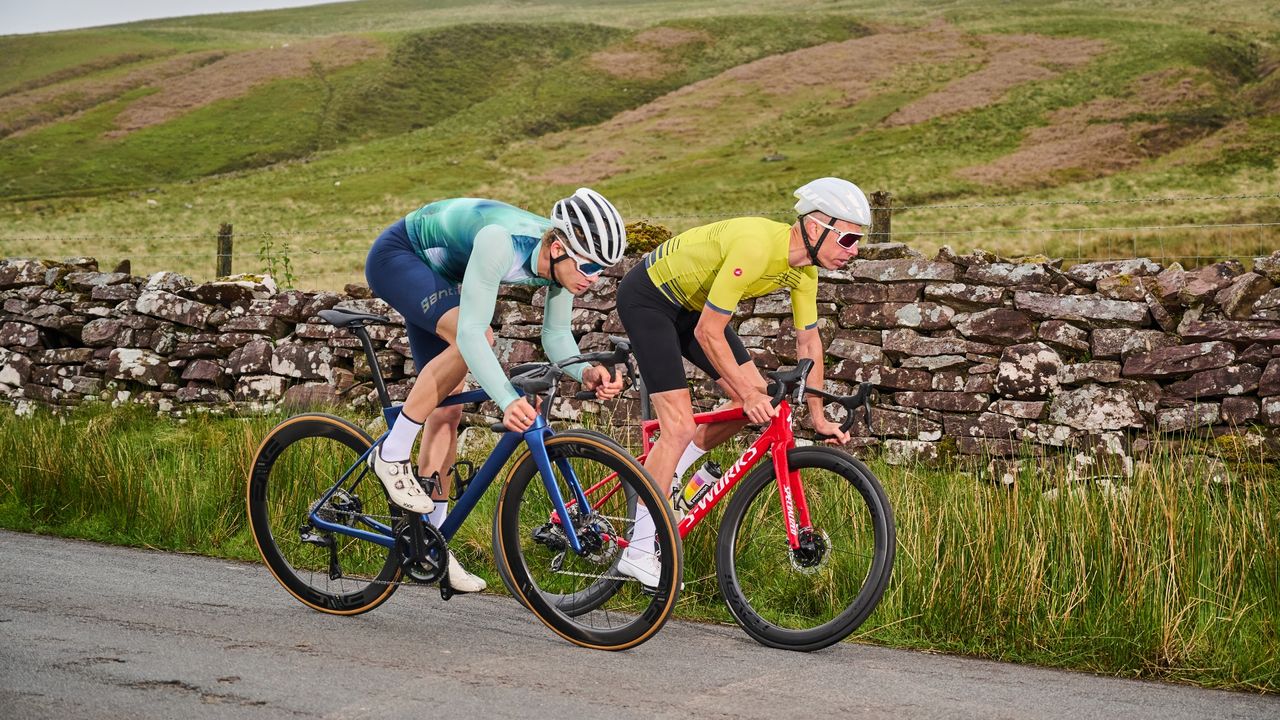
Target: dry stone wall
x=973 y=354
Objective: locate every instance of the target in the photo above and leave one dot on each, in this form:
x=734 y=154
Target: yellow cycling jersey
x=718 y=265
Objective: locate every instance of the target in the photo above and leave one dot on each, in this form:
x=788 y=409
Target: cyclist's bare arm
x=709 y=333
x=809 y=345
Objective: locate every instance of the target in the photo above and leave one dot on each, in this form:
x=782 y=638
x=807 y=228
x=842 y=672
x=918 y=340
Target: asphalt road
x=92 y=631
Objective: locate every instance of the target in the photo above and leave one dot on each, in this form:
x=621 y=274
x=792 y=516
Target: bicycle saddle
x=350 y=318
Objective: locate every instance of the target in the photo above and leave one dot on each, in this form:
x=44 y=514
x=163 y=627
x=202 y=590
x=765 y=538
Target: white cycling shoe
x=401 y=481
x=644 y=567
x=462 y=581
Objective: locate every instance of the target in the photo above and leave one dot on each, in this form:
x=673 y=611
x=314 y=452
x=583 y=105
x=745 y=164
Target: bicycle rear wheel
x=299 y=460
x=581 y=596
x=816 y=596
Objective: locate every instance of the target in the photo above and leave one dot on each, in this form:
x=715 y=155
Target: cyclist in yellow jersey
x=677 y=304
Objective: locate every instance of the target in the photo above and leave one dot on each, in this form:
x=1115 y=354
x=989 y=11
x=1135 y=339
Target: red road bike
x=801 y=566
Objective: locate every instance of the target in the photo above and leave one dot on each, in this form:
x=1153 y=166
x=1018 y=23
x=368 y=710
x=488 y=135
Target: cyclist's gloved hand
x=601 y=379
x=519 y=415
x=759 y=407
x=826 y=427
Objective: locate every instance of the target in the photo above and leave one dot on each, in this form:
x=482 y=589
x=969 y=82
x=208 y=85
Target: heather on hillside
x=309 y=129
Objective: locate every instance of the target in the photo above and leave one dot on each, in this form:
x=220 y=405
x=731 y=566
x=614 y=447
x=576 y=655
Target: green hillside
x=309 y=129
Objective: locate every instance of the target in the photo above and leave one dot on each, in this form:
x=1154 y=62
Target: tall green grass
x=1168 y=576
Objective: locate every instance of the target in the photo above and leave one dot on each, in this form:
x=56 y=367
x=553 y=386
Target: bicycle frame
x=535 y=437
x=776 y=440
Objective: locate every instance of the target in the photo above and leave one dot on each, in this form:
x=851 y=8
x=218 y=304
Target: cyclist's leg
x=440 y=433
x=439 y=448
x=423 y=297
x=709 y=437
x=650 y=321
x=654 y=326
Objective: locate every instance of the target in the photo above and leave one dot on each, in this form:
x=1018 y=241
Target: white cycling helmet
x=838 y=198
x=603 y=234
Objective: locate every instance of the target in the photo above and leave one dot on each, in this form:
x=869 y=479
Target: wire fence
x=1189 y=243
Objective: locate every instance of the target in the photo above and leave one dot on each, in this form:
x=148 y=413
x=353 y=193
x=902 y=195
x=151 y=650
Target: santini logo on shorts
x=437 y=296
x=737 y=272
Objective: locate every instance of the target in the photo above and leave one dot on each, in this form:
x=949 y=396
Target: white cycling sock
x=437 y=516
x=399 y=441
x=642 y=533
x=690 y=456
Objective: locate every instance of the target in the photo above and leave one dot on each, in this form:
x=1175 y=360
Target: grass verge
x=1169 y=577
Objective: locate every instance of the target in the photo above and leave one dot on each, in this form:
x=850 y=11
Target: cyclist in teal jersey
x=440 y=267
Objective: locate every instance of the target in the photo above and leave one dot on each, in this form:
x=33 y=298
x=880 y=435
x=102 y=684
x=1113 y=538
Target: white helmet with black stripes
x=601 y=236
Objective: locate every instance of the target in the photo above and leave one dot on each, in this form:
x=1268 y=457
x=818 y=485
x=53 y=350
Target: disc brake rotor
x=814 y=552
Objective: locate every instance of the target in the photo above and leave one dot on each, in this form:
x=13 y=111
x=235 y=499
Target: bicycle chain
x=411 y=583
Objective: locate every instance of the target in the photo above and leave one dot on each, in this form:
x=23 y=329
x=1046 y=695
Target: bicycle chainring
x=814 y=551
x=430 y=567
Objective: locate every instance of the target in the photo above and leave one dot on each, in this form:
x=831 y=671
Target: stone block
x=1093 y=308
x=1180 y=360
x=920 y=315
x=1189 y=417
x=1028 y=371
x=966 y=297
x=1103 y=371
x=1007 y=274
x=1238 y=298
x=1095 y=408
x=1000 y=326
x=905 y=270
x=1218 y=382
x=1092 y=273
x=141 y=366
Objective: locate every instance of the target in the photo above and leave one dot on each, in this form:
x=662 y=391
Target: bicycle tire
x=782 y=599
x=539 y=572
x=296 y=463
x=573 y=604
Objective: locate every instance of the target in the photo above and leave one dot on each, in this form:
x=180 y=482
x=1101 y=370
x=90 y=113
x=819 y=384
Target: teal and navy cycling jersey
x=482 y=244
x=444 y=234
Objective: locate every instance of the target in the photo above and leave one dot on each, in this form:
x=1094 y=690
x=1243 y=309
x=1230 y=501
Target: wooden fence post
x=881 y=203
x=224 y=250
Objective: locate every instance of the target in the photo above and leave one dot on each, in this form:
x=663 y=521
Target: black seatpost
x=378 y=383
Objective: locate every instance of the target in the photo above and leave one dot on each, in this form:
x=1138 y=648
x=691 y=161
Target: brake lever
x=866 y=391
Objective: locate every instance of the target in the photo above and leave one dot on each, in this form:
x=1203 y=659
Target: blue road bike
x=329 y=535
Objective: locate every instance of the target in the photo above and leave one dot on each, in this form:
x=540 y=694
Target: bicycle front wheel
x=294 y=467
x=809 y=598
x=581 y=595
x=580 y=599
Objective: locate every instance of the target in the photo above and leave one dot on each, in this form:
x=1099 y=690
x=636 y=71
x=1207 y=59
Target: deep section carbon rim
x=818 y=595
x=298 y=461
